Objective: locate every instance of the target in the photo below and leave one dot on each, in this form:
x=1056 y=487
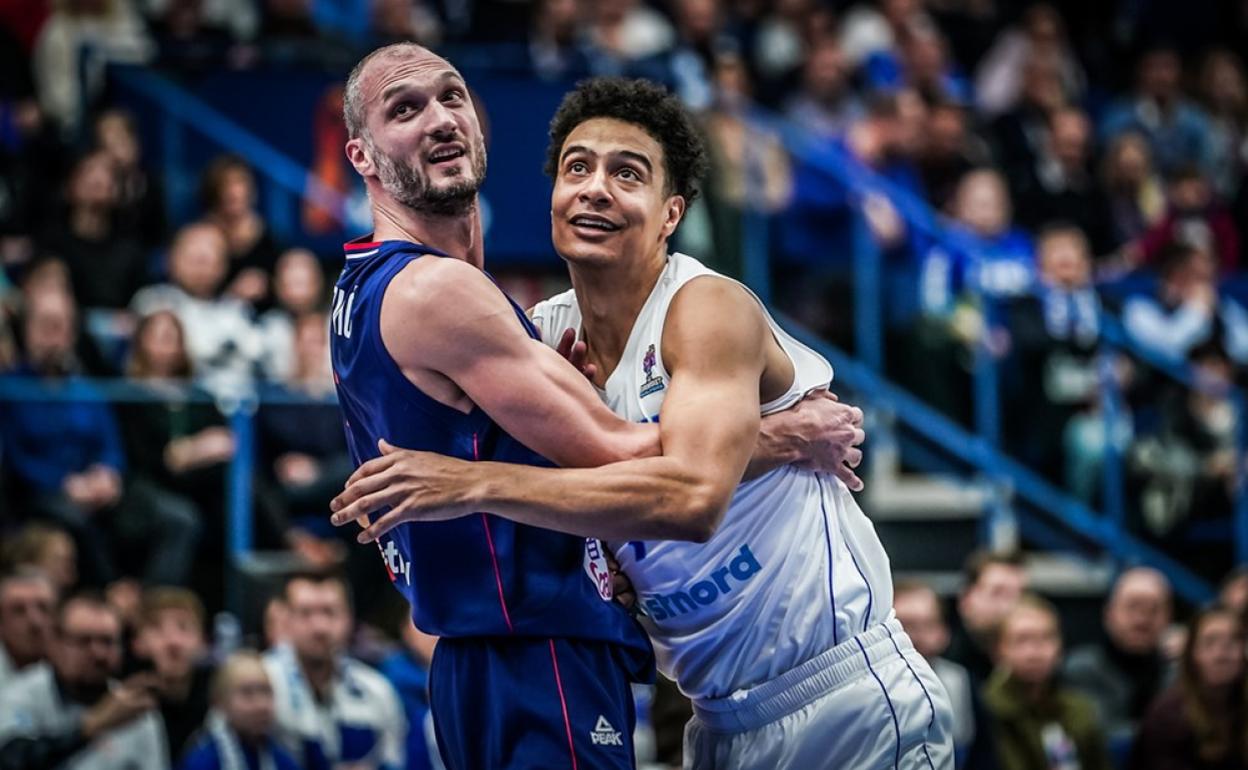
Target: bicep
x=471 y=336
x=714 y=341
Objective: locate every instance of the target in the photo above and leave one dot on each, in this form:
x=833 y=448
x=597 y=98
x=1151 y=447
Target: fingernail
x=363 y=538
x=334 y=505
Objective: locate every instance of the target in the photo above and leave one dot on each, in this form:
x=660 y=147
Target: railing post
x=868 y=311
x=238 y=536
x=986 y=385
x=1112 y=480
x=1241 y=479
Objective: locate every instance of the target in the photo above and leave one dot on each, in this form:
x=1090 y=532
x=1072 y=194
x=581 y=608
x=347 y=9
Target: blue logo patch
x=740 y=568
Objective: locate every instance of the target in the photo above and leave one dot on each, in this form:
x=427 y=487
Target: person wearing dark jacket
x=1041 y=725
x=1201 y=722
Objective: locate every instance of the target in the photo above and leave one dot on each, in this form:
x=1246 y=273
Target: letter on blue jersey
x=744 y=566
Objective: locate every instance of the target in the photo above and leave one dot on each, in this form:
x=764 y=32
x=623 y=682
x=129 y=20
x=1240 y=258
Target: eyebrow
x=636 y=156
x=403 y=85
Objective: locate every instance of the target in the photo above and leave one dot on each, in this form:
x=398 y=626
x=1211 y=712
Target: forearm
x=655 y=498
x=779 y=443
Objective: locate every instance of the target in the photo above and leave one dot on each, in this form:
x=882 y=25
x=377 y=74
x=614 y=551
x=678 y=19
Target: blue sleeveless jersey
x=479 y=575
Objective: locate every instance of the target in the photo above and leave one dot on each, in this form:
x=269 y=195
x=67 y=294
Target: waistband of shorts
x=751 y=708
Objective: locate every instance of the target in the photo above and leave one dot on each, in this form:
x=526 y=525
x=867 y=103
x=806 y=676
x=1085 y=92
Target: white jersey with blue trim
x=795 y=567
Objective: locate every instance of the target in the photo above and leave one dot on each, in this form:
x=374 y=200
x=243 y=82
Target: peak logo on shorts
x=738 y=570
x=604 y=734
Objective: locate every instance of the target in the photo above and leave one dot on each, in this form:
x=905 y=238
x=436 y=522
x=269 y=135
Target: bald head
x=354 y=97
x=1138 y=610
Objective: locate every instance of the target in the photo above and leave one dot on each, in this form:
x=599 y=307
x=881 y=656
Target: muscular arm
x=446 y=318
x=709 y=426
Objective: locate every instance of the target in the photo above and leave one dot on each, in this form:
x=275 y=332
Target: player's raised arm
x=713 y=346
x=445 y=318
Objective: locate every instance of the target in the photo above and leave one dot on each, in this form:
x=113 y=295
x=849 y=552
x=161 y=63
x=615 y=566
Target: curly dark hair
x=644 y=104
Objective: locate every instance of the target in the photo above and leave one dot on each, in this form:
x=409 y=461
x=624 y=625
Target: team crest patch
x=653 y=383
x=597 y=568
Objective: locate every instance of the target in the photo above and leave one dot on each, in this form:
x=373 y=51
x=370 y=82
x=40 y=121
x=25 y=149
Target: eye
x=402 y=108
x=453 y=95
x=577 y=167
x=629 y=174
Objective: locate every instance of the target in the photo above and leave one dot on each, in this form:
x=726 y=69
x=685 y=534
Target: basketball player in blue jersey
x=778 y=621
x=534 y=665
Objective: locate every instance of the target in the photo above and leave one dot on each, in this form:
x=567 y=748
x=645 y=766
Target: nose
x=595 y=191
x=442 y=124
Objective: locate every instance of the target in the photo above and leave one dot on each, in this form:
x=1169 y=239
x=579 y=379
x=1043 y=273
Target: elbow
x=702 y=510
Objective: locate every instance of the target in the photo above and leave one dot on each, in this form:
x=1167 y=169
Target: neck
x=610 y=298
x=20 y=661
x=89 y=222
x=458 y=235
x=319 y=673
x=177 y=688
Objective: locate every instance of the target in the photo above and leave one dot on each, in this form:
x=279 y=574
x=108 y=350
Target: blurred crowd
x=1086 y=166
x=1147 y=694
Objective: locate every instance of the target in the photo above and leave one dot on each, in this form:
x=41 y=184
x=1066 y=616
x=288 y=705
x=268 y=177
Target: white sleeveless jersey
x=795 y=567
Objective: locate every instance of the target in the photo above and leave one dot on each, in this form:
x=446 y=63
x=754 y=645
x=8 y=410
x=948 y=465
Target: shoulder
x=714 y=315
x=1079 y=707
x=441 y=290
x=202 y=755
x=551 y=316
x=367 y=678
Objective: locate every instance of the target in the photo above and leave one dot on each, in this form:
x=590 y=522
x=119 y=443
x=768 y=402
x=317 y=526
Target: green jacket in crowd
x=1058 y=732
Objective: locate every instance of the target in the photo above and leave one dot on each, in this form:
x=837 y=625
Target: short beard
x=407 y=185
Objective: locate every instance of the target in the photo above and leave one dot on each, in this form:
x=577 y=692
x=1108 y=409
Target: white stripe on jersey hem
x=361 y=255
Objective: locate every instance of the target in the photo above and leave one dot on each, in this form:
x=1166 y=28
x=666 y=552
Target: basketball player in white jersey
x=777 y=622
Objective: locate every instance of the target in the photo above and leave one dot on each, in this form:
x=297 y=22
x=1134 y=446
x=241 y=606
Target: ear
x=675 y=212
x=360 y=158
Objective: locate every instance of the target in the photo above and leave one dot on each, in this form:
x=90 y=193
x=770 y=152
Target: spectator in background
x=1224 y=94
x=1233 y=592
x=948 y=153
x=1062 y=185
x=926 y=67
x=1020 y=133
x=628 y=30
x=106 y=266
x=171 y=638
x=874 y=27
x=825 y=104
x=918 y=608
x=1055 y=334
x=1201 y=721
x=397 y=21
x=749 y=170
x=239 y=731
x=1125 y=671
x=27 y=603
x=1040 y=37
x=1137 y=199
x=321 y=695
x=689 y=63
x=140 y=207
x=66 y=457
x=188 y=41
x=1040 y=723
x=223 y=344
x=1177 y=129
x=1186 y=466
x=47 y=549
x=407 y=668
x=228 y=195
x=299 y=288
x=110 y=29
x=1187 y=310
x=556 y=48
x=304 y=449
x=1006 y=266
x=178 y=447
x=992 y=586
x=72 y=713
x=1194 y=217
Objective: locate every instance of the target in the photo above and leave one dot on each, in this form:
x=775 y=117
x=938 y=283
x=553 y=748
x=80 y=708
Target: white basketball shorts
x=870 y=703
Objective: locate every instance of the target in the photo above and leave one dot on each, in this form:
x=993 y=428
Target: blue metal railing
x=181 y=111
x=835 y=162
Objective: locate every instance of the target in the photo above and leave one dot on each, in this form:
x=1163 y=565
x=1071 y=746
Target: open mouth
x=594 y=222
x=446 y=154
